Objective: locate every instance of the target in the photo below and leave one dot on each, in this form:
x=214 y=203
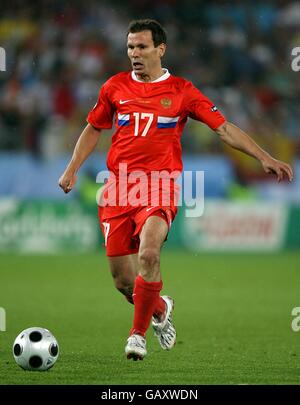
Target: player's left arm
x=238 y=139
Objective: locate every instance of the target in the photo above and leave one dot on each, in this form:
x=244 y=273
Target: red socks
x=160 y=307
x=147 y=302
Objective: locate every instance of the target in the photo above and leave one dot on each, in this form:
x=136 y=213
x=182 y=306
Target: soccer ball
x=35 y=349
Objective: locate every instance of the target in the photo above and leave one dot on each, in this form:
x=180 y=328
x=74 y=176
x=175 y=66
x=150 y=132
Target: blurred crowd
x=58 y=54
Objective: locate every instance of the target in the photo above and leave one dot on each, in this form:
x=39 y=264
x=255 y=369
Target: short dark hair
x=159 y=34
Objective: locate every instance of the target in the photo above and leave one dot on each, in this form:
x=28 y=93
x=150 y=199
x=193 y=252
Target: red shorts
x=121 y=232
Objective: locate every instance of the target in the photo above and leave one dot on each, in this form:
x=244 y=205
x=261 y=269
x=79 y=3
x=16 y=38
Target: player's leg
x=121 y=250
x=124 y=270
x=164 y=305
x=162 y=316
x=148 y=284
x=152 y=236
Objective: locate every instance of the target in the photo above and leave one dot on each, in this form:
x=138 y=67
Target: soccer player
x=149 y=107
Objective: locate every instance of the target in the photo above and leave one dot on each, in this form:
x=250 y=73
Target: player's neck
x=150 y=77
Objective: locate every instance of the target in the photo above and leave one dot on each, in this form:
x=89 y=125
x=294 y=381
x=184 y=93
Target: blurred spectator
x=237 y=52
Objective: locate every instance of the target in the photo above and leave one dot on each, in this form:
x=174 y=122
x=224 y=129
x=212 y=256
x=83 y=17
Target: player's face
x=144 y=56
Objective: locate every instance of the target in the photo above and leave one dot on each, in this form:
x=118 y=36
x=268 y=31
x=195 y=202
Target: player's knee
x=124 y=286
x=127 y=292
x=149 y=258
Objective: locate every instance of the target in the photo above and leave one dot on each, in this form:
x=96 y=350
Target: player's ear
x=162 y=50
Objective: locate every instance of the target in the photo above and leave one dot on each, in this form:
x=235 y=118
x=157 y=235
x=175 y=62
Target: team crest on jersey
x=166 y=102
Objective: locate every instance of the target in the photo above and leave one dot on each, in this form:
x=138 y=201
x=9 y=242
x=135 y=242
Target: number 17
x=137 y=117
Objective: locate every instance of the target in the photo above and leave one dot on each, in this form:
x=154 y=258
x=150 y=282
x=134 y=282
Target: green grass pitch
x=232 y=314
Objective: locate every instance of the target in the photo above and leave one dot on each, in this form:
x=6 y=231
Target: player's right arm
x=100 y=117
x=84 y=147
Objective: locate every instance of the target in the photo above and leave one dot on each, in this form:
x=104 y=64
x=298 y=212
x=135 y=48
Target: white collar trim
x=165 y=76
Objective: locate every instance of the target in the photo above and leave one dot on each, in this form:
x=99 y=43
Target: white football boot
x=136 y=347
x=165 y=330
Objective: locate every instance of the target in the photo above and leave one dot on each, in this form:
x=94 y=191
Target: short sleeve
x=101 y=116
x=201 y=108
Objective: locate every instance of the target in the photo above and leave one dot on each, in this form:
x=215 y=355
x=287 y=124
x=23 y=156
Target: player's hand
x=281 y=169
x=67 y=181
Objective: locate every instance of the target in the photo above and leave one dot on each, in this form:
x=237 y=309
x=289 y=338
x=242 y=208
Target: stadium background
x=240 y=259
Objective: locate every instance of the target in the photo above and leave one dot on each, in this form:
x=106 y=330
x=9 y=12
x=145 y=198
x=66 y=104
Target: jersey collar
x=165 y=76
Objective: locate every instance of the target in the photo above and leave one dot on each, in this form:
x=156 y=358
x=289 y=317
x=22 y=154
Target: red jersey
x=149 y=118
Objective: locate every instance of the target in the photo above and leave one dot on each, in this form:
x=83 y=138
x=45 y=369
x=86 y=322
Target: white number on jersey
x=106 y=226
x=137 y=117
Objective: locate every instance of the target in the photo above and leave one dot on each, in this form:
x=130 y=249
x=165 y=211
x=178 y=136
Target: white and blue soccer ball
x=35 y=349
